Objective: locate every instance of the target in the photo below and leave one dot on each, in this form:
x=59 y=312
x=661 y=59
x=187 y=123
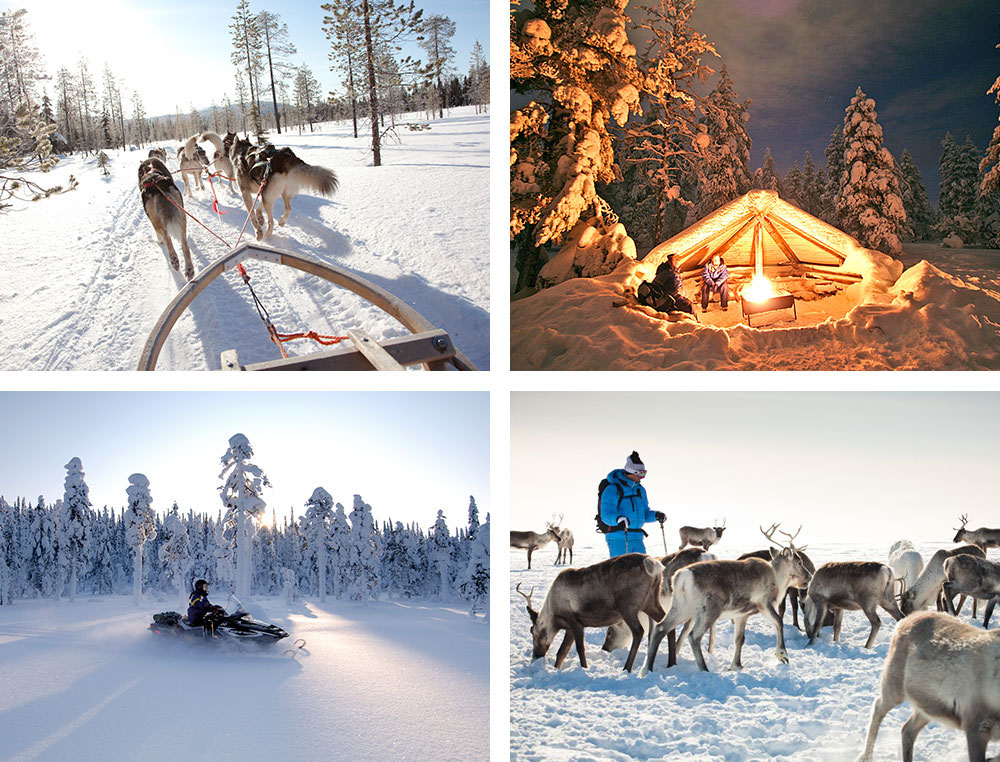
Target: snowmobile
x=219 y=626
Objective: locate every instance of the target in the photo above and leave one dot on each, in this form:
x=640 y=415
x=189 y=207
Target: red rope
x=193 y=217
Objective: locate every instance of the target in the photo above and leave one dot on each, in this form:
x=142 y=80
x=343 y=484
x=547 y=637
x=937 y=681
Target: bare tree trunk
x=270 y=68
x=372 y=92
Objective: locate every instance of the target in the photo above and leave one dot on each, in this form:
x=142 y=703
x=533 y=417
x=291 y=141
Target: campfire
x=760 y=295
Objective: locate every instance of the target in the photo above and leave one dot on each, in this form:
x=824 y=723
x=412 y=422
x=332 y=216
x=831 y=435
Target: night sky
x=927 y=64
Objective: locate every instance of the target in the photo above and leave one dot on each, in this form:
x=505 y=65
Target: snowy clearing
x=390 y=680
x=943 y=313
x=85 y=280
x=814 y=708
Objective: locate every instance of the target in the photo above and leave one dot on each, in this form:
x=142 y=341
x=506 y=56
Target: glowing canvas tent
x=760 y=231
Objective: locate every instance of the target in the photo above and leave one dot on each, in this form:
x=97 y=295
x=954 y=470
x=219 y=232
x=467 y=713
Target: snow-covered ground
x=814 y=708
x=88 y=681
x=943 y=313
x=84 y=279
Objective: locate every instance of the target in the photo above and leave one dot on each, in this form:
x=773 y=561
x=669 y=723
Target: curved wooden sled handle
x=412 y=320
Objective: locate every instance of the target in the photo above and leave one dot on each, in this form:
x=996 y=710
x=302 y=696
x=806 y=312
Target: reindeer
x=565 y=542
x=925 y=590
x=906 y=564
x=708 y=590
x=949 y=671
x=597 y=596
x=618 y=634
x=983 y=537
x=974 y=577
x=704 y=536
x=795 y=594
x=850 y=585
x=532 y=541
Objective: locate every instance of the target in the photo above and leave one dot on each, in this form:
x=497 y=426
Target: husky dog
x=221 y=160
x=158 y=153
x=193 y=160
x=154 y=184
x=288 y=175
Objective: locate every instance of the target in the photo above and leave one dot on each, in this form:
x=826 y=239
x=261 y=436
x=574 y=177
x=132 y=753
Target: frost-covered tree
x=575 y=62
x=834 y=171
x=794 y=185
x=75 y=520
x=440 y=556
x=476 y=586
x=813 y=186
x=961 y=207
x=175 y=552
x=766 y=177
x=473 y=517
x=316 y=527
x=140 y=525
x=340 y=550
x=6 y=578
x=726 y=160
x=989 y=168
x=242 y=483
x=869 y=204
x=361 y=575
x=919 y=214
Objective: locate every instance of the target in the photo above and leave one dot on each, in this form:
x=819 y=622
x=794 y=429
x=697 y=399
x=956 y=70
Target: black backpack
x=601 y=526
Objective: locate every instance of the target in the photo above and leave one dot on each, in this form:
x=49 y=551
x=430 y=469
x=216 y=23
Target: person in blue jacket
x=625 y=508
x=715 y=279
x=198 y=604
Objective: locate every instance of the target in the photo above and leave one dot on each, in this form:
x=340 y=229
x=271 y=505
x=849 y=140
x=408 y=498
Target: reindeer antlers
x=964 y=518
x=769 y=534
x=526 y=597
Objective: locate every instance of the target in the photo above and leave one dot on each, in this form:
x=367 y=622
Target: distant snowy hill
x=84 y=279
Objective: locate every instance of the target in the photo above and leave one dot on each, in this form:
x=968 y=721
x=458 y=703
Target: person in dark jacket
x=715 y=279
x=624 y=506
x=663 y=293
x=198 y=604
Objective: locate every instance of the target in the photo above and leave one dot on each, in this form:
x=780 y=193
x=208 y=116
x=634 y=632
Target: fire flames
x=759 y=290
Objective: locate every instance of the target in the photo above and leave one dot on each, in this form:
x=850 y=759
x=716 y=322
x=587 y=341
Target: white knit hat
x=634 y=464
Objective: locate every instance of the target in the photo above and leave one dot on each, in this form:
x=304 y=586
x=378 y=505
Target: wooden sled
x=427 y=345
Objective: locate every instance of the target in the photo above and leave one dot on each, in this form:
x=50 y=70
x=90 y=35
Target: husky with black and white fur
x=157 y=190
x=286 y=174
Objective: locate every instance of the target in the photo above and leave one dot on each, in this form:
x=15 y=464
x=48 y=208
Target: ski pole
x=663 y=533
x=625 y=530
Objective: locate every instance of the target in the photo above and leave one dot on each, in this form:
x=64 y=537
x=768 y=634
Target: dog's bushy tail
x=189 y=147
x=215 y=140
x=320 y=179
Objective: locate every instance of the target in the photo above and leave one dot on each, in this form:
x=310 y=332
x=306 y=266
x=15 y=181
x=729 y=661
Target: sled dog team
x=948 y=670
x=280 y=171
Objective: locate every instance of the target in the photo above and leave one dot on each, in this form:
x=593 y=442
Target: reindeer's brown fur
x=974 y=577
x=851 y=585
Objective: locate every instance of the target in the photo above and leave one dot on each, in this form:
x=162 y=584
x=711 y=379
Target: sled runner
x=427 y=346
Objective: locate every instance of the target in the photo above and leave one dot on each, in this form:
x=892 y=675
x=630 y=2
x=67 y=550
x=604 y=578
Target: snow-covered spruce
x=74 y=519
x=316 y=525
x=241 y=488
x=140 y=525
x=175 y=552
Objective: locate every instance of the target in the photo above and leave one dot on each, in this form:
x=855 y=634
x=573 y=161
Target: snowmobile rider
x=624 y=507
x=198 y=605
x=663 y=293
x=715 y=279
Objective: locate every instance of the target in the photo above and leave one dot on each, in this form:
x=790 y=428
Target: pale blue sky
x=887 y=465
x=177 y=52
x=406 y=454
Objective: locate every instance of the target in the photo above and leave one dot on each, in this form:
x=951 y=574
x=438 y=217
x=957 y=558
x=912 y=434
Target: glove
x=623 y=523
x=661 y=517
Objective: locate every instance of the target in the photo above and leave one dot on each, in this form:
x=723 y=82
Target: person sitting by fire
x=715 y=279
x=663 y=293
x=624 y=508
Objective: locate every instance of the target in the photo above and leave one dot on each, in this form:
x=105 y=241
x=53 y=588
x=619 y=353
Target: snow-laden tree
x=726 y=160
x=766 y=177
x=961 y=203
x=813 y=186
x=575 y=62
x=242 y=483
x=870 y=206
x=395 y=566
x=834 y=171
x=989 y=169
x=340 y=550
x=361 y=574
x=74 y=520
x=794 y=185
x=140 y=525
x=476 y=587
x=920 y=216
x=175 y=552
x=440 y=556
x=316 y=527
x=6 y=578
x=473 y=517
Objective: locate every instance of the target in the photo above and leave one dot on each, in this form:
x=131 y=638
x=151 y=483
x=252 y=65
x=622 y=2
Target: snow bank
x=814 y=708
x=922 y=319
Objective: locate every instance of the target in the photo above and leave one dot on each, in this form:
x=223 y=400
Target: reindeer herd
x=947 y=669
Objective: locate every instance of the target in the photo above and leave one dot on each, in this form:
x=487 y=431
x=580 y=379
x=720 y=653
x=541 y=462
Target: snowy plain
x=943 y=313
x=815 y=708
x=391 y=680
x=84 y=279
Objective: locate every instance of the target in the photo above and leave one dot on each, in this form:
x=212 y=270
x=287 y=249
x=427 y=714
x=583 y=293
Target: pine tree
x=75 y=519
x=919 y=214
x=340 y=548
x=869 y=204
x=476 y=587
x=473 y=517
x=479 y=78
x=140 y=525
x=766 y=176
x=440 y=556
x=726 y=160
x=345 y=32
x=316 y=527
x=794 y=185
x=560 y=143
x=437 y=31
x=960 y=186
x=277 y=47
x=246 y=36
x=813 y=186
x=241 y=488
x=834 y=171
x=989 y=168
x=175 y=552
x=362 y=569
